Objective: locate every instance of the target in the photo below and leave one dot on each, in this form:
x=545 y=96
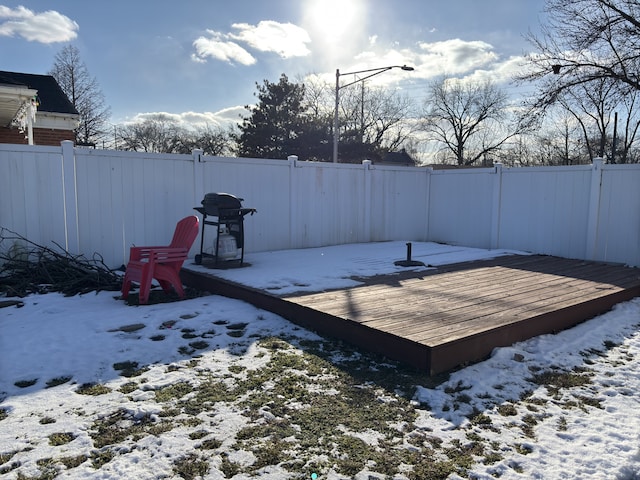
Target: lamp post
x=371 y=72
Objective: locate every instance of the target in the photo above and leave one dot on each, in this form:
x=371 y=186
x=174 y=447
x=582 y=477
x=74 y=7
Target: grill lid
x=221 y=201
x=223 y=205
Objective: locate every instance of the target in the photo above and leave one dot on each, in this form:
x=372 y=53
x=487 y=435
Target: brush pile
x=26 y=268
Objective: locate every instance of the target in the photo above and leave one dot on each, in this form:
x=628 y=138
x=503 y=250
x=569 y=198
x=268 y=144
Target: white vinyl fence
x=100 y=201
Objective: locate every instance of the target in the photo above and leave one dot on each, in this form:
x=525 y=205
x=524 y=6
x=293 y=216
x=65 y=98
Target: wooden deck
x=436 y=320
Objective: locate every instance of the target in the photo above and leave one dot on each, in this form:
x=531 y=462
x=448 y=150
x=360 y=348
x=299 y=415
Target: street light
x=371 y=72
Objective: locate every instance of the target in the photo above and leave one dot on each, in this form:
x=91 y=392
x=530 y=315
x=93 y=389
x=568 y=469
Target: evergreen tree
x=280 y=125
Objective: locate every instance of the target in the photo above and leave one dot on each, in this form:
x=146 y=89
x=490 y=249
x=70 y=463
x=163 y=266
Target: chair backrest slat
x=186 y=232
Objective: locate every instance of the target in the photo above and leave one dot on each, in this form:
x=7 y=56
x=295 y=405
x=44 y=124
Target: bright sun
x=332 y=19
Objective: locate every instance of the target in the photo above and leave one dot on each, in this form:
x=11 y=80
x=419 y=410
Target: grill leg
x=241 y=223
x=204 y=218
x=217 y=240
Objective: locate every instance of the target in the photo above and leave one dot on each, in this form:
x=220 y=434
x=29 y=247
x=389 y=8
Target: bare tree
x=213 y=140
x=379 y=116
x=623 y=152
x=595 y=108
x=586 y=40
x=163 y=134
x=373 y=120
x=318 y=97
x=559 y=141
x=158 y=134
x=83 y=91
x=469 y=118
x=518 y=153
x=592 y=105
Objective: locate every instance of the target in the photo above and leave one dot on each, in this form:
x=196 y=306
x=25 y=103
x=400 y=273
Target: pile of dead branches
x=26 y=267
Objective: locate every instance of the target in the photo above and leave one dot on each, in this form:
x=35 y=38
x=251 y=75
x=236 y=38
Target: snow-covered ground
x=555 y=406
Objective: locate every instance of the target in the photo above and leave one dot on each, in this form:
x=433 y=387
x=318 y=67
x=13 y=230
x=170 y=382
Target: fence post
x=593 y=219
x=496 y=207
x=292 y=159
x=366 y=237
x=69 y=190
x=427 y=201
x=198 y=175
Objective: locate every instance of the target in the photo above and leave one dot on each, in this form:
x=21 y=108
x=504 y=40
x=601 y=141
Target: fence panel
x=618 y=225
x=327 y=204
x=263 y=185
x=31 y=193
x=129 y=198
x=399 y=203
x=545 y=210
x=461 y=207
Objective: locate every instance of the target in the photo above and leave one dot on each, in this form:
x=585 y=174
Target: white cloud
x=455 y=56
x=45 y=27
x=500 y=72
x=285 y=39
x=231 y=115
x=222 y=118
x=218 y=47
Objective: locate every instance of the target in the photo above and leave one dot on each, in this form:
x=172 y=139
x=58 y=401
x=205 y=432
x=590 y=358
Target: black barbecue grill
x=229 y=214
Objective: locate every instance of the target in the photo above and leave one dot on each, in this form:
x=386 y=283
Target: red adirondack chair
x=162 y=263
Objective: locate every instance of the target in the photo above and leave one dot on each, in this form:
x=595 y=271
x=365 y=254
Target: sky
x=200 y=60
x=587 y=431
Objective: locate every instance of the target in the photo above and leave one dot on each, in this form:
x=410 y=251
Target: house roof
x=399 y=158
x=51 y=97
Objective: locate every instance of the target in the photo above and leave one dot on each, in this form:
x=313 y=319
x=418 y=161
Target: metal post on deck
x=408 y=262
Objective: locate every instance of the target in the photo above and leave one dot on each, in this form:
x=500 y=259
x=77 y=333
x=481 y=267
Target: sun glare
x=333 y=19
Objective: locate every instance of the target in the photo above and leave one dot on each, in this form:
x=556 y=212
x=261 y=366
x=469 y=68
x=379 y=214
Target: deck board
x=439 y=318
